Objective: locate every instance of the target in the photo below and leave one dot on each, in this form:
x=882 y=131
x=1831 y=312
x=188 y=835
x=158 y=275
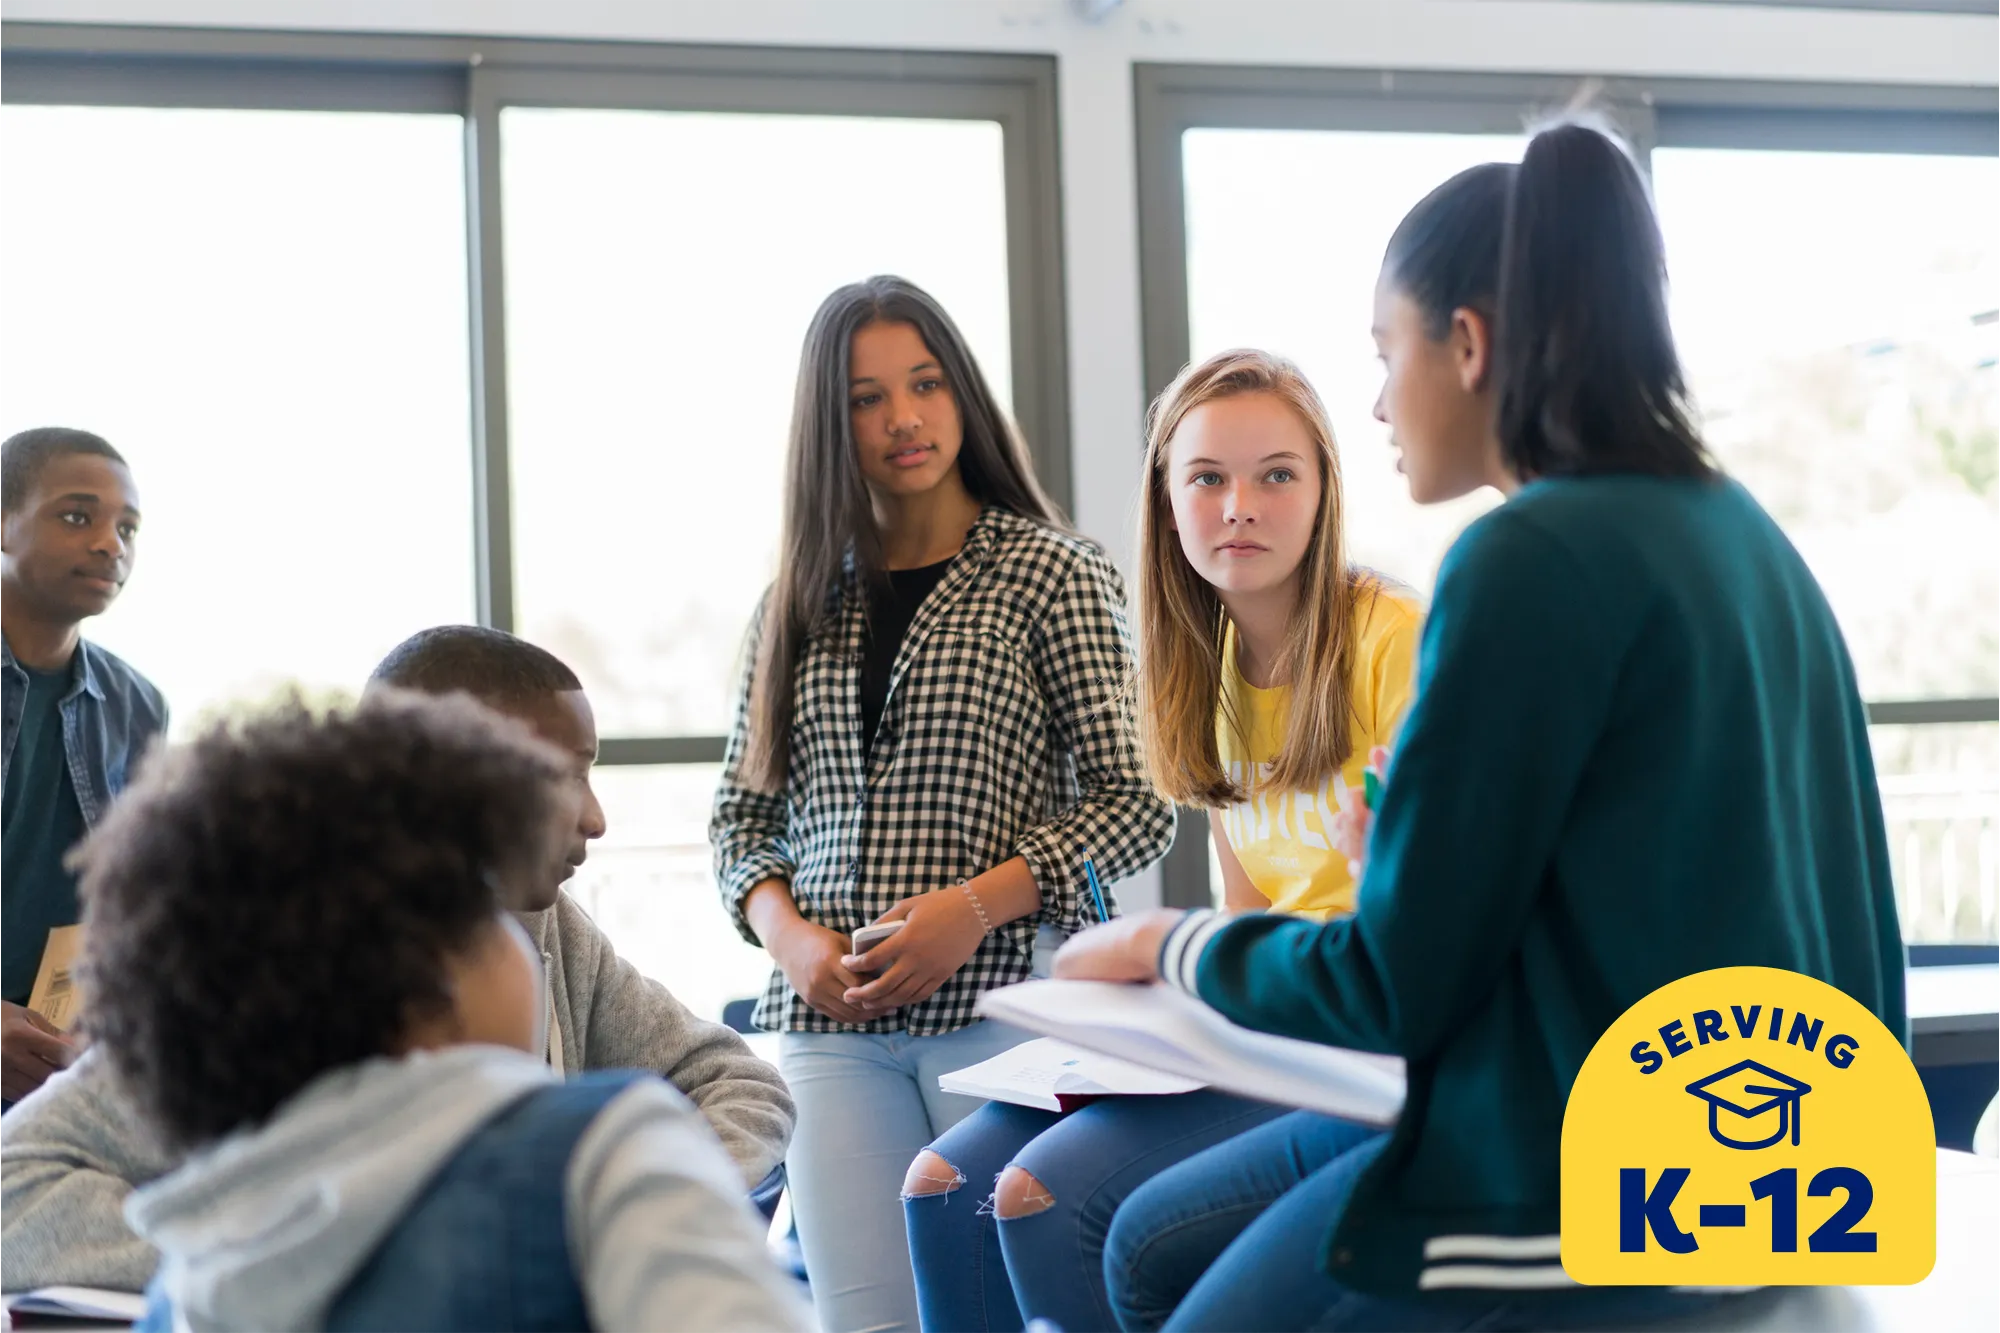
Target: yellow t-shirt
x=1281 y=838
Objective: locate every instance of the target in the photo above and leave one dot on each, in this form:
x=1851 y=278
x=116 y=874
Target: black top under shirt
x=891 y=608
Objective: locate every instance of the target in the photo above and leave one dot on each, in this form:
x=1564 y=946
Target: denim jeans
x=1231 y=1238
x=868 y=1104
x=977 y=1274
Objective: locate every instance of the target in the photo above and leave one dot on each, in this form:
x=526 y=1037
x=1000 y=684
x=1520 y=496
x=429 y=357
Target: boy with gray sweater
x=72 y=1153
x=300 y=967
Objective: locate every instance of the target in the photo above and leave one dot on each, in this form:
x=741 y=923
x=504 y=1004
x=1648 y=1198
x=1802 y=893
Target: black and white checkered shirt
x=1007 y=732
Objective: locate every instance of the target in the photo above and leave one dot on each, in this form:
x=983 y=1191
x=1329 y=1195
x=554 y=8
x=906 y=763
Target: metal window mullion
x=1163 y=258
x=1932 y=712
x=1164 y=349
x=1038 y=324
x=36 y=78
x=492 y=515
x=655 y=750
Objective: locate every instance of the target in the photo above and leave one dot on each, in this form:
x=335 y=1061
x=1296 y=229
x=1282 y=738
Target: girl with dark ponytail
x=1636 y=752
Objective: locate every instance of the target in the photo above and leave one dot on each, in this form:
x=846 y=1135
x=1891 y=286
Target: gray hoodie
x=72 y=1151
x=265 y=1229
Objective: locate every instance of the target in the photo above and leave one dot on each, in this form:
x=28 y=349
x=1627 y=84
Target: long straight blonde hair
x=1181 y=619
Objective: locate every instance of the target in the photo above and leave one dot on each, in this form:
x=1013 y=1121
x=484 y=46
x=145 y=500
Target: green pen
x=1371 y=788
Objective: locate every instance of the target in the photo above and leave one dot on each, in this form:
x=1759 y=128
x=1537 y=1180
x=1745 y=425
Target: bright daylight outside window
x=1837 y=315
x=265 y=312
x=653 y=328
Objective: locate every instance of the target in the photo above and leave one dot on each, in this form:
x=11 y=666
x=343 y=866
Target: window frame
x=1170 y=99
x=476 y=78
x=1975 y=7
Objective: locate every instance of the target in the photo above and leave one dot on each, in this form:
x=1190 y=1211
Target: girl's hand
x=1356 y=817
x=944 y=931
x=1127 y=949
x=810 y=958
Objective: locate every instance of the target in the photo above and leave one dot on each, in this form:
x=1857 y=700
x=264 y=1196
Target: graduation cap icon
x=1740 y=1096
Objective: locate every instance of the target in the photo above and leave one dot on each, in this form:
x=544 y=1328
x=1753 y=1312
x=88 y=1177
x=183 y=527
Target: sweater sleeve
x=636 y=1023
x=747 y=826
x=1518 y=664
x=1083 y=658
x=70 y=1154
x=660 y=1232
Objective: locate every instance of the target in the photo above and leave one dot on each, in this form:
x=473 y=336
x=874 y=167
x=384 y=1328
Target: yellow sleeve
x=1397 y=625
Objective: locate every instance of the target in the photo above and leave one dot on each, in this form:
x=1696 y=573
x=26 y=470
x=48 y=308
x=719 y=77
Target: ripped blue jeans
x=977 y=1272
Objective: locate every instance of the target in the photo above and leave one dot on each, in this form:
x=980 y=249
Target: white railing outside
x=1941 y=844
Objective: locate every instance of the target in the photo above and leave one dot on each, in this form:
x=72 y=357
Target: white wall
x=1095 y=88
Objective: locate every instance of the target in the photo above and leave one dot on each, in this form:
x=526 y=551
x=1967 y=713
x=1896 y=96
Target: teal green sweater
x=1636 y=752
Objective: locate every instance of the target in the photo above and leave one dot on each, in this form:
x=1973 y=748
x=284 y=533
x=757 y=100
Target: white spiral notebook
x=1056 y=1076
x=1161 y=1029
x=93 y=1304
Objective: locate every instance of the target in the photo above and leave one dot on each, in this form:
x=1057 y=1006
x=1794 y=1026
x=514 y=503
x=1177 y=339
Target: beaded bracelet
x=985 y=922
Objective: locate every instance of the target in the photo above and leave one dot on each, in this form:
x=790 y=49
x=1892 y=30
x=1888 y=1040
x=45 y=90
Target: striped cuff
x=1493 y=1263
x=1180 y=951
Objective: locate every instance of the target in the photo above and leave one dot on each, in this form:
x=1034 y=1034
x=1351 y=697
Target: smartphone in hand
x=868 y=937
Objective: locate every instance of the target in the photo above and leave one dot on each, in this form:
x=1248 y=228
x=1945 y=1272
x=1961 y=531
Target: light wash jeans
x=868 y=1104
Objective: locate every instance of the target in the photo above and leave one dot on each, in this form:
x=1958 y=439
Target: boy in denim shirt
x=300 y=968
x=76 y=717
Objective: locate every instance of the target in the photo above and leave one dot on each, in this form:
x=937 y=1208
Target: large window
x=653 y=341
x=648 y=884
x=1836 y=313
x=1835 y=282
x=265 y=311
x=400 y=332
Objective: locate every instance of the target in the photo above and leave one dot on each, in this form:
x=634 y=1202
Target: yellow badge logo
x=1748 y=1127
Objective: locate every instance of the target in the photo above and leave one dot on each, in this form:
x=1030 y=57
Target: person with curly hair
x=72 y=1152
x=300 y=967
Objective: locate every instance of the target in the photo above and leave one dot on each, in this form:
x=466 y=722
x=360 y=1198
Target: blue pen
x=1096 y=889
